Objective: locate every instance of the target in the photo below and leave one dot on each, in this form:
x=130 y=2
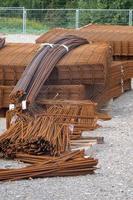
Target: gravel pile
x=114 y=178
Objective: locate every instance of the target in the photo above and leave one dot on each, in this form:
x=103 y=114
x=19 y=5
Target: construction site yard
x=113 y=180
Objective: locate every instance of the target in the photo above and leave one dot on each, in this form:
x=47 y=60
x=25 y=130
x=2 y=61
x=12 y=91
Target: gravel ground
x=25 y=38
x=114 y=178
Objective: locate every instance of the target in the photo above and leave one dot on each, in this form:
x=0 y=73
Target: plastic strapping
x=63 y=45
x=122 y=70
x=11 y=106
x=48 y=44
x=24 y=105
x=57 y=94
x=71 y=127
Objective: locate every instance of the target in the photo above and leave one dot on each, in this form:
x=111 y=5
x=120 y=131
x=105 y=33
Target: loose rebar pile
x=49 y=133
x=69 y=164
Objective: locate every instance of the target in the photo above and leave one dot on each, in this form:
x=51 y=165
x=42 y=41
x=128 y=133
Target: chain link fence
x=37 y=21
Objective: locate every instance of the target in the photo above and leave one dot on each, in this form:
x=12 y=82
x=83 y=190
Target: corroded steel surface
x=13 y=60
x=119 y=37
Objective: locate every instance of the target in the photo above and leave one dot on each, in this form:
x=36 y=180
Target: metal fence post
x=24 y=19
x=130 y=17
x=77 y=19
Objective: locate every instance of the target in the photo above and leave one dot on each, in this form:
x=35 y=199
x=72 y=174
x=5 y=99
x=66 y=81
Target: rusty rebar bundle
x=42 y=136
x=49 y=132
x=45 y=141
x=41 y=66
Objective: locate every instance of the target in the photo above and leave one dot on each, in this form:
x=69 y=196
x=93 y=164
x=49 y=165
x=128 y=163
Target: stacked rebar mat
x=83 y=73
x=84 y=65
x=72 y=92
x=119 y=37
x=121 y=73
x=14 y=57
x=13 y=60
x=81 y=91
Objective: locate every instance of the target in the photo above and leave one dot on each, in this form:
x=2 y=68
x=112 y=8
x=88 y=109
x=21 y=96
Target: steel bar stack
x=13 y=60
x=83 y=66
x=85 y=72
x=45 y=141
x=56 y=82
x=87 y=64
x=47 y=138
x=48 y=132
x=120 y=38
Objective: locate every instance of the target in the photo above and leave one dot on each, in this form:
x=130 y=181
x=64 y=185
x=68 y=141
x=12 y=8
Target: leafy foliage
x=115 y=4
x=43 y=20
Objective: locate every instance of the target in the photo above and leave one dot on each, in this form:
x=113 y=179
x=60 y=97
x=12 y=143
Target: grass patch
x=15 y=25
